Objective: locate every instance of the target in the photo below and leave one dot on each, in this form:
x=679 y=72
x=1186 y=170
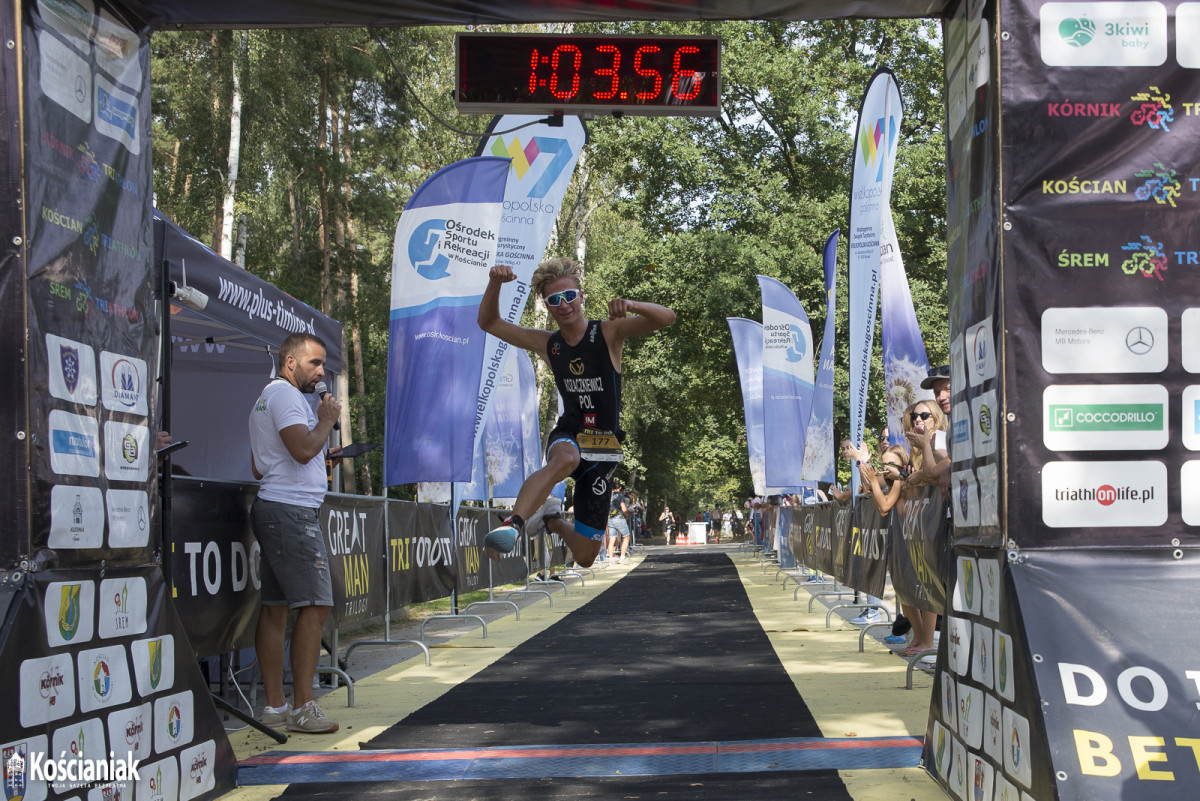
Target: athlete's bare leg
x=561 y=462
x=584 y=549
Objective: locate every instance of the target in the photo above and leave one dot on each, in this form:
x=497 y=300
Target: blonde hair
x=937 y=422
x=900 y=452
x=552 y=270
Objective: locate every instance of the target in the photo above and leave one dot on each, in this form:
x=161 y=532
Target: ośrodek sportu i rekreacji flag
x=445 y=246
x=818 y=445
x=787 y=385
x=747 y=350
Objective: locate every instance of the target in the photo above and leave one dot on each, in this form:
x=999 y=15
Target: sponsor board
x=983 y=668
x=15 y=760
x=197 y=773
x=964 y=498
x=989 y=494
x=47 y=689
x=153 y=664
x=960 y=433
x=74 y=444
x=1187 y=35
x=122 y=607
x=65 y=77
x=174 y=721
x=1115 y=417
x=71 y=18
x=126 y=451
x=1189 y=330
x=970 y=715
x=958 y=373
x=993 y=729
x=72 y=370
x=123 y=383
x=76 y=517
x=117 y=114
x=1005 y=665
x=159 y=781
x=958 y=629
x=989 y=579
x=1189 y=476
x=79 y=743
x=128 y=518
x=70 y=612
x=129 y=731
x=103 y=678
x=1104 y=494
x=1017 y=751
x=980 y=344
x=117 y=51
x=1103 y=34
x=968 y=591
x=1103 y=339
x=985 y=420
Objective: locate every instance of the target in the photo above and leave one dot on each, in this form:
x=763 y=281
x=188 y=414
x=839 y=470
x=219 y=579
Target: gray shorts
x=294 y=566
x=618 y=527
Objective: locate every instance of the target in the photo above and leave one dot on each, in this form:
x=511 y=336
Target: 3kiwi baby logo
x=1105 y=34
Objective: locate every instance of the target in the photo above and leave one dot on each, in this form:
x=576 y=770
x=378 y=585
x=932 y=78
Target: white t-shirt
x=284 y=479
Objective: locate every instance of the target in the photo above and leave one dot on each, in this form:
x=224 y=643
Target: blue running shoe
x=501 y=540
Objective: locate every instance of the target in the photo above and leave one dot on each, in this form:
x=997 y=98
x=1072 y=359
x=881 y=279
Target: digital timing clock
x=587 y=74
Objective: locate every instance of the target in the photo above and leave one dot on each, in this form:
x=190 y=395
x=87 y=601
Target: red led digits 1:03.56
x=546 y=73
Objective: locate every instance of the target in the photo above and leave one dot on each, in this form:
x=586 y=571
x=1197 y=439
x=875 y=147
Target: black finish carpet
x=670 y=653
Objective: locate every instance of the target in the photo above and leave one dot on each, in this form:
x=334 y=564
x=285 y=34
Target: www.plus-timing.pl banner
x=875 y=140
x=445 y=246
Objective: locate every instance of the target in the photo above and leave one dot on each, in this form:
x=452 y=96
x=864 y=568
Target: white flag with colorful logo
x=543 y=161
x=875 y=140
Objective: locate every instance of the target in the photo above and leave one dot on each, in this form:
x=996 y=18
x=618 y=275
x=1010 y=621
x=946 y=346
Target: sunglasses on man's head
x=940 y=372
x=915 y=416
x=567 y=296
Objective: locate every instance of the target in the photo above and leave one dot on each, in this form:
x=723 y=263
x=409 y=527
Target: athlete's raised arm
x=632 y=318
x=492 y=323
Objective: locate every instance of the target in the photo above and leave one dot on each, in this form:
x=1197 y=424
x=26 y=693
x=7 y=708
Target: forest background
x=294 y=153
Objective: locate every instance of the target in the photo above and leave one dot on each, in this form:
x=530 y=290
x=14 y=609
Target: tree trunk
x=235 y=147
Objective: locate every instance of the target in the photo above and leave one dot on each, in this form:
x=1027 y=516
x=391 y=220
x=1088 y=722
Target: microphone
x=322 y=391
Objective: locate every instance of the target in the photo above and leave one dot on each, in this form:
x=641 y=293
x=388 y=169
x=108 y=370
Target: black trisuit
x=590 y=388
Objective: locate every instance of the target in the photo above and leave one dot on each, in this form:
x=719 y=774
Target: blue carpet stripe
x=582 y=761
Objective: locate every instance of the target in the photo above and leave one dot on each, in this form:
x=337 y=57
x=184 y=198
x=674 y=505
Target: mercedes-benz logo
x=1139 y=340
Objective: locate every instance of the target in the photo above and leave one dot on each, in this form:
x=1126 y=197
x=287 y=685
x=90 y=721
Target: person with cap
x=939 y=383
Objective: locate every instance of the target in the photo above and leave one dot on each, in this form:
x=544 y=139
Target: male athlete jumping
x=585 y=357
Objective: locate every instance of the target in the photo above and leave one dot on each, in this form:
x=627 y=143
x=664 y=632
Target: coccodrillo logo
x=1103 y=34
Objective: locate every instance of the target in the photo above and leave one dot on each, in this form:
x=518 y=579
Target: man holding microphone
x=287 y=445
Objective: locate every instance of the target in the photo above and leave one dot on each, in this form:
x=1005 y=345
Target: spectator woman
x=925 y=430
x=885 y=491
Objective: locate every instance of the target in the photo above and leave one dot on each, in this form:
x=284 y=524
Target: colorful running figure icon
x=585 y=357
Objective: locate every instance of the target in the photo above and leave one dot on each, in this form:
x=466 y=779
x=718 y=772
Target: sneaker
x=895 y=639
x=310 y=719
x=815 y=577
x=501 y=540
x=275 y=716
x=869 y=616
x=622 y=561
